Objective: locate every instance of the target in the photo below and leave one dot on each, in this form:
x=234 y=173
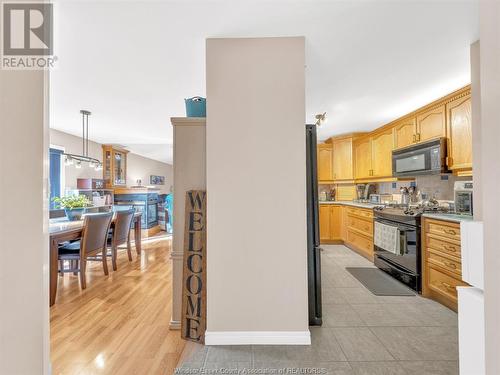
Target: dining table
x=62 y=230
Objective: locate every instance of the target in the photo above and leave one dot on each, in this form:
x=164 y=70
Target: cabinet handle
x=418 y=137
x=450 y=248
x=414 y=138
x=447 y=286
x=450 y=231
x=451 y=265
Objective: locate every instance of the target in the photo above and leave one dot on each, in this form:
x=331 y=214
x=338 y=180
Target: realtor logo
x=27 y=31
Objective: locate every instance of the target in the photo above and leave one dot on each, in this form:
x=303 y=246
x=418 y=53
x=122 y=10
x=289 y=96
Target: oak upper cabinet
x=459 y=126
x=115 y=166
x=405 y=132
x=325 y=162
x=342 y=159
x=382 y=146
x=431 y=124
x=324 y=222
x=362 y=158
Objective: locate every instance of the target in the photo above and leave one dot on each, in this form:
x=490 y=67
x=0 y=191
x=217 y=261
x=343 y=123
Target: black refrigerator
x=313 y=249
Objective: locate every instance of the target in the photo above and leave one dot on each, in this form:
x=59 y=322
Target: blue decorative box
x=196 y=106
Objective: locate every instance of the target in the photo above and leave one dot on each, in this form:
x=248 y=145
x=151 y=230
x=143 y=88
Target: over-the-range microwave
x=423 y=158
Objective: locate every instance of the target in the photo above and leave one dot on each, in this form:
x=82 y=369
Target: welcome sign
x=194 y=296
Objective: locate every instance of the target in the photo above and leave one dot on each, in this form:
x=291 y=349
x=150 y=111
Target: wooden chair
x=92 y=246
x=120 y=234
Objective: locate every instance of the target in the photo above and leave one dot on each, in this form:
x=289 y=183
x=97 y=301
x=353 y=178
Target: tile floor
x=361 y=334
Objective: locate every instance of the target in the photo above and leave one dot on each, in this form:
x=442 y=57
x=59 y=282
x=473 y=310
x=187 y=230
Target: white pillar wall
x=24 y=315
x=489 y=36
x=256 y=239
x=189 y=174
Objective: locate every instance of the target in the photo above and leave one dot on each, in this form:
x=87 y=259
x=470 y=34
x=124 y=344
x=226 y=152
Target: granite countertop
x=448 y=217
x=353 y=204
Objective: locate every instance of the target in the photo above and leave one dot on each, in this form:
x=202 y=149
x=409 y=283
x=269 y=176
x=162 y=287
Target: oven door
x=403 y=264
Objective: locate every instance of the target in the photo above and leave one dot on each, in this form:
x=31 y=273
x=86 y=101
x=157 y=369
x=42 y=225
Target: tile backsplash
x=437 y=186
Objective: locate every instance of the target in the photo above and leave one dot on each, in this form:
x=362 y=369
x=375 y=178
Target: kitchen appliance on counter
x=380 y=198
x=363 y=192
x=463 y=197
x=421 y=159
x=397 y=248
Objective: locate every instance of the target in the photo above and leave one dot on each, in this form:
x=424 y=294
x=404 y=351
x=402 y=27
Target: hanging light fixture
x=77 y=160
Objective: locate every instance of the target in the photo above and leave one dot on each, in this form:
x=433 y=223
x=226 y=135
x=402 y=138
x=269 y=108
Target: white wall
x=24 y=312
x=257 y=273
x=138 y=167
x=490 y=126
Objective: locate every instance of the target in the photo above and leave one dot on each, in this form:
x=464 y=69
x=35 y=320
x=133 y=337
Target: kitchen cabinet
x=115 y=166
x=459 y=129
x=362 y=158
x=330 y=223
x=342 y=159
x=325 y=163
x=405 y=132
x=360 y=230
x=441 y=261
x=431 y=124
x=382 y=146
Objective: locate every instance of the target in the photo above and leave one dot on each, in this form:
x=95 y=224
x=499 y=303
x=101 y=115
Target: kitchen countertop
x=352 y=204
x=448 y=217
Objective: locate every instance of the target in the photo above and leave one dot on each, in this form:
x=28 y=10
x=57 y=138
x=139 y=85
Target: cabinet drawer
x=442 y=246
x=359 y=212
x=454 y=266
x=443 y=229
x=360 y=242
x=444 y=284
x=362 y=225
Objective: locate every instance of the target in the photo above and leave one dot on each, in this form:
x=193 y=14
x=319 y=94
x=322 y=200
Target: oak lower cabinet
x=330 y=223
x=441 y=261
x=359 y=228
x=325 y=163
x=459 y=129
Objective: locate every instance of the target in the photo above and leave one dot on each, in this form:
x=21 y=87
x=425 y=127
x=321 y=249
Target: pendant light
x=77 y=160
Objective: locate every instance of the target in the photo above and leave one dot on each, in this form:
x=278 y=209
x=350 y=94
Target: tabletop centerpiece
x=73 y=205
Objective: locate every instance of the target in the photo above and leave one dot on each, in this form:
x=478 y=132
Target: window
x=55 y=174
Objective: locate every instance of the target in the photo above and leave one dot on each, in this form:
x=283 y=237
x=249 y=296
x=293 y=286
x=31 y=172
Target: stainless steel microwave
x=423 y=158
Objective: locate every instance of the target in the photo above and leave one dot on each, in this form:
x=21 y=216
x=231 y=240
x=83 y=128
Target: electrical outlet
x=394 y=185
x=444 y=177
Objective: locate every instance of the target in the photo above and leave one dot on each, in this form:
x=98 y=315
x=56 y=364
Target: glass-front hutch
x=115 y=166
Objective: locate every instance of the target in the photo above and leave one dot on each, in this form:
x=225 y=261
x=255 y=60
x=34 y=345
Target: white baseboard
x=174 y=325
x=258 y=338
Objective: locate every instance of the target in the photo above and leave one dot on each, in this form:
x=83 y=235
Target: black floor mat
x=379 y=283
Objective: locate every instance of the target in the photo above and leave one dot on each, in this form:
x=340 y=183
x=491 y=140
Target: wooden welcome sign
x=194 y=291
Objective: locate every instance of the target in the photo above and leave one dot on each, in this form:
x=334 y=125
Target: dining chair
x=120 y=234
x=92 y=245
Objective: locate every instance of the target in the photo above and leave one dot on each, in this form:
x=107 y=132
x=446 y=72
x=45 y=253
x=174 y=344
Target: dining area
x=95 y=237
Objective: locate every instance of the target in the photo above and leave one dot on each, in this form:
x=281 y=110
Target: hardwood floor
x=119 y=324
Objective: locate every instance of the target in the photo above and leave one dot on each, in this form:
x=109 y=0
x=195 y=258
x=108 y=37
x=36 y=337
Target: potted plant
x=74 y=205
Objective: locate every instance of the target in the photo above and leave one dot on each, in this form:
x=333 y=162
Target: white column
x=489 y=37
x=189 y=174
x=24 y=315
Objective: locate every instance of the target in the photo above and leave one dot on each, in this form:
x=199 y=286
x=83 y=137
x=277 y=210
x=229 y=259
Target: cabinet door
x=404 y=132
x=362 y=158
x=324 y=222
x=325 y=162
x=382 y=145
x=342 y=160
x=459 y=133
x=431 y=124
x=336 y=222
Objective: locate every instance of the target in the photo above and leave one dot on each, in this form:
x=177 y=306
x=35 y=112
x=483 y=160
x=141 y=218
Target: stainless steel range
x=397 y=242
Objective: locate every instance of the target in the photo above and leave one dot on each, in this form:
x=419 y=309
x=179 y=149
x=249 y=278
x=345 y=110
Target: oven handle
x=392 y=264
x=401 y=227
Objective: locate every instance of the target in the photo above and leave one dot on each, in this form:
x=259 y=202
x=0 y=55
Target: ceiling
x=368 y=62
